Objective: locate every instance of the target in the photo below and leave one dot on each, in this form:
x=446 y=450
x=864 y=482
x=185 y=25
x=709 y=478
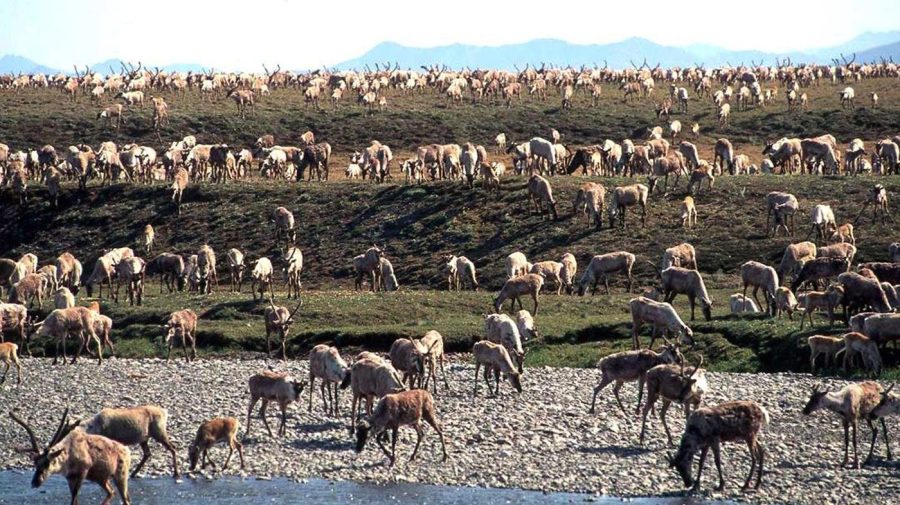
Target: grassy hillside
x=420 y=224
x=36 y=117
x=574 y=331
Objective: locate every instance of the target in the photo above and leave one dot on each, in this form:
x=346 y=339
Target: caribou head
x=46 y=460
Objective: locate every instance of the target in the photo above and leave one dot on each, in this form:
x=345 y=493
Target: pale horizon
x=246 y=35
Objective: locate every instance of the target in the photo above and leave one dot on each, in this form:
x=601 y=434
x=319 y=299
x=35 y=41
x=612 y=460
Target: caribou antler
x=34 y=445
x=697 y=368
x=848 y=63
x=130 y=70
x=299 y=304
x=65 y=427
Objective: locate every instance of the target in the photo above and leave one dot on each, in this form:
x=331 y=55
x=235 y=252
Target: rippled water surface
x=15 y=488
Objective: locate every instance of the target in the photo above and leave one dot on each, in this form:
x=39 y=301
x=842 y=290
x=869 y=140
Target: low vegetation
x=419 y=225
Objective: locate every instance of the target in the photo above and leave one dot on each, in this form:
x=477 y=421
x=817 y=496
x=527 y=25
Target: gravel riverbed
x=541 y=439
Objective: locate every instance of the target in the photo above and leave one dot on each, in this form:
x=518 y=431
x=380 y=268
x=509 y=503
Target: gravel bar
x=542 y=439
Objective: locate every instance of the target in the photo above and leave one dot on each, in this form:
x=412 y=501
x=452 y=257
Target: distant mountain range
x=888 y=51
x=868 y=47
x=116 y=65
x=13 y=64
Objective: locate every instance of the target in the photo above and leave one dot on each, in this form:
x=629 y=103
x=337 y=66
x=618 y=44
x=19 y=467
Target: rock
x=541 y=439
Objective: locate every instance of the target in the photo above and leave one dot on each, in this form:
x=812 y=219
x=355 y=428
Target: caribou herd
x=817 y=274
x=747 y=86
x=866 y=293
x=666 y=152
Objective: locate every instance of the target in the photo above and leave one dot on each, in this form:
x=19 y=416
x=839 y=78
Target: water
x=15 y=489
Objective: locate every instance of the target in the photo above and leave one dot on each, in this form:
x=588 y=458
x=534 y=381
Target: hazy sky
x=305 y=34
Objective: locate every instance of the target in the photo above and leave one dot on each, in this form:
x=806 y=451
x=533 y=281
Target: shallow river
x=15 y=488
